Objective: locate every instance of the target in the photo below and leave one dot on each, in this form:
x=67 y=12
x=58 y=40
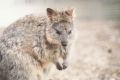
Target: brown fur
x=33 y=42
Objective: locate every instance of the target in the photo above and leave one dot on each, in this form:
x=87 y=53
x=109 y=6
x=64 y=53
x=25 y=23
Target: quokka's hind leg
x=15 y=72
x=25 y=72
x=17 y=67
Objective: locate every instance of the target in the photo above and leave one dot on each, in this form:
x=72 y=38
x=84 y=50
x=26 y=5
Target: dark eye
x=69 y=32
x=58 y=32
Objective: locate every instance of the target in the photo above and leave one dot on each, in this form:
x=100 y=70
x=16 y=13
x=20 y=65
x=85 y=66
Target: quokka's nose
x=64 y=43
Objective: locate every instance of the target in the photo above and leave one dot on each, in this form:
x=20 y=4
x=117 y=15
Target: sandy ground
x=95 y=53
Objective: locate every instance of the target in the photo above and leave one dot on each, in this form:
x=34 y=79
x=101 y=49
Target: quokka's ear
x=69 y=12
x=51 y=12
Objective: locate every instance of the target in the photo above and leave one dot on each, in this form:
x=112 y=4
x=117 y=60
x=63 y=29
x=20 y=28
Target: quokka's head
x=60 y=26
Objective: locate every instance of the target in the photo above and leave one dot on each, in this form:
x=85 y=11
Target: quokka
x=29 y=45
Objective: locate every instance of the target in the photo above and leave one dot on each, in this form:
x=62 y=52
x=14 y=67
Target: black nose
x=64 y=43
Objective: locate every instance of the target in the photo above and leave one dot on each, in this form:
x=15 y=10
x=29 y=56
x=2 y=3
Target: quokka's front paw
x=60 y=66
x=65 y=65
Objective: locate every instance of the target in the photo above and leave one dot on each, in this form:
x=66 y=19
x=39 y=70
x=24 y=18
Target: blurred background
x=95 y=53
x=85 y=9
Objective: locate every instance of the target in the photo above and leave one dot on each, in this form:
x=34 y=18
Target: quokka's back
x=29 y=24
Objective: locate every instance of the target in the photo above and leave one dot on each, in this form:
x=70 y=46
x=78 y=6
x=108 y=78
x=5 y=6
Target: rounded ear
x=51 y=12
x=69 y=12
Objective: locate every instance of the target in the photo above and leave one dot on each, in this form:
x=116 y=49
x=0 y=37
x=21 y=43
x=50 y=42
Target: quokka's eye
x=58 y=32
x=69 y=32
